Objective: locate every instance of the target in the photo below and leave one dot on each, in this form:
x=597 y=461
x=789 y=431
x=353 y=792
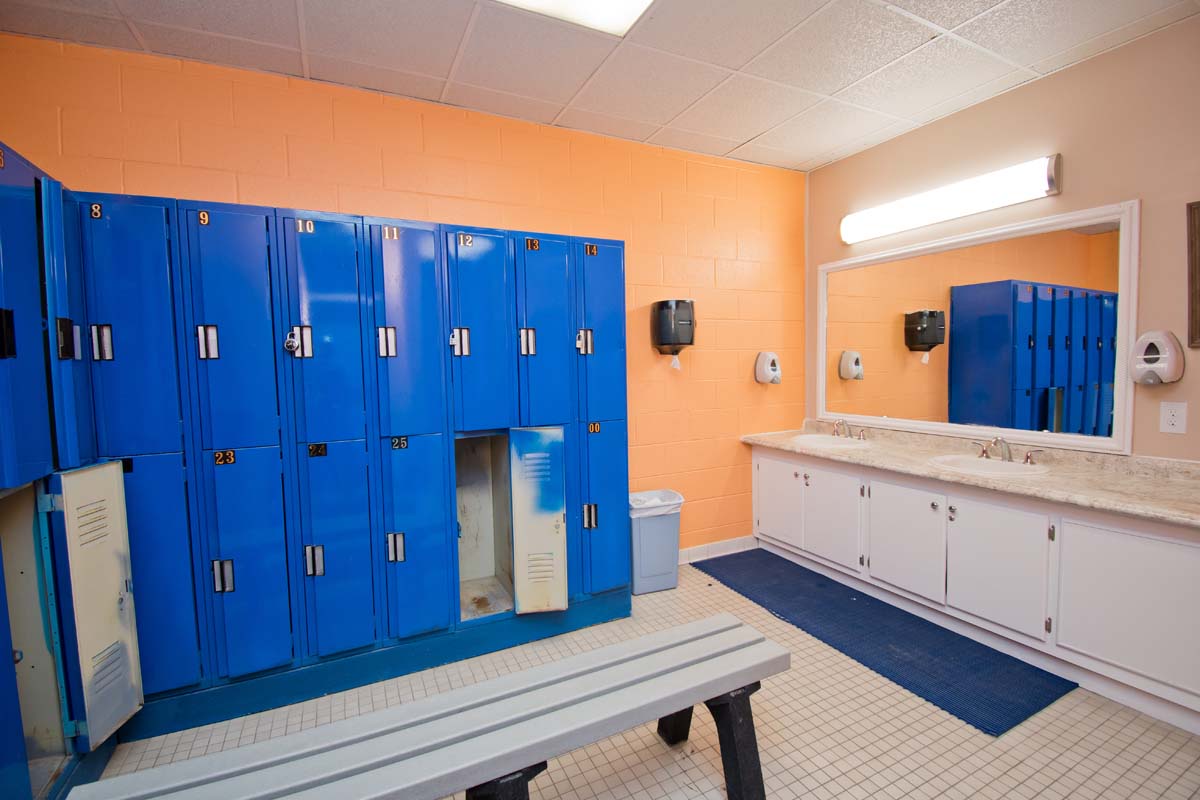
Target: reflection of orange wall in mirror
x=866 y=309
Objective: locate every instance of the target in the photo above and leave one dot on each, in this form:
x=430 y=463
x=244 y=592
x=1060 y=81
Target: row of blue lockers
x=1033 y=356
x=275 y=380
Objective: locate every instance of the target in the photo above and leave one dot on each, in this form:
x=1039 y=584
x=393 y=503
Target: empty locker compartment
x=485 y=525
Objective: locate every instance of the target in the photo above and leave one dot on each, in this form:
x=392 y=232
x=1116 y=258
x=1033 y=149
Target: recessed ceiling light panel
x=611 y=16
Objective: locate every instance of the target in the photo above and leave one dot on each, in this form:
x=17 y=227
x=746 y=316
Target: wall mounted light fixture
x=1040 y=177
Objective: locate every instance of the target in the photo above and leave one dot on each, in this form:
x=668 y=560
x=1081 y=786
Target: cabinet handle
x=934 y=505
x=952 y=509
x=795 y=474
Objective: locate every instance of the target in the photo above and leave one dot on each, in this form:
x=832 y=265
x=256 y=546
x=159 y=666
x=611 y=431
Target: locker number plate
x=533 y=244
x=399 y=442
x=593 y=427
x=203 y=215
x=305 y=226
x=391 y=232
x=318 y=450
x=591 y=250
x=223 y=457
x=95 y=211
x=466 y=240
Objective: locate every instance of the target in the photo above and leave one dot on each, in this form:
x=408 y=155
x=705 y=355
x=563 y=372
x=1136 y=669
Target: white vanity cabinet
x=833 y=516
x=779 y=497
x=907 y=546
x=997 y=564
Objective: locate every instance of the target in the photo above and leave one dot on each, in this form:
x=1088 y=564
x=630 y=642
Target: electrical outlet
x=1172 y=417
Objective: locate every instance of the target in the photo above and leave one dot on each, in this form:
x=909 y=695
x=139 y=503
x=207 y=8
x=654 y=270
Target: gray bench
x=493 y=738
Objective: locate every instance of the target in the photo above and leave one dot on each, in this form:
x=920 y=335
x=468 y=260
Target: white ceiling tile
x=99 y=8
x=420 y=36
x=41 y=21
x=840 y=44
x=946 y=13
x=743 y=107
x=1117 y=37
x=866 y=142
x=822 y=129
x=695 y=142
x=220 y=49
x=646 y=85
x=508 y=105
x=970 y=98
x=530 y=55
x=1027 y=31
x=271 y=21
x=718 y=31
x=371 y=77
x=606 y=125
x=942 y=69
x=760 y=154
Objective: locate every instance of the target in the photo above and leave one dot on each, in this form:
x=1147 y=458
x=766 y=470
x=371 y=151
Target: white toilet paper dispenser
x=1157 y=358
x=767 y=369
x=850 y=367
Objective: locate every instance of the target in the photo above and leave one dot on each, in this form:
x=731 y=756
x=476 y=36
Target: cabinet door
x=409 y=329
x=607 y=481
x=337 y=537
x=232 y=332
x=779 y=495
x=908 y=539
x=539 y=510
x=602 y=270
x=832 y=516
x=245 y=510
x=546 y=341
x=418 y=534
x=161 y=562
x=130 y=270
x=483 y=296
x=997 y=565
x=323 y=285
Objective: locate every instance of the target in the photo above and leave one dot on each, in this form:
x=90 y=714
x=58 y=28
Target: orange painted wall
x=866 y=309
x=728 y=234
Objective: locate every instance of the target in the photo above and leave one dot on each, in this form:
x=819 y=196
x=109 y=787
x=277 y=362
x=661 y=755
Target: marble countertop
x=1156 y=489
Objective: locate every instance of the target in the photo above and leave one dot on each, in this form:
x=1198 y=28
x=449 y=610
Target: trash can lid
x=655 y=502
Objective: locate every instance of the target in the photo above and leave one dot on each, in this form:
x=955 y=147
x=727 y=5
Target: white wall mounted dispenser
x=1157 y=358
x=850 y=368
x=767 y=369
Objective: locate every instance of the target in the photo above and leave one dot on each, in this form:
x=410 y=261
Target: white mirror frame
x=1126 y=215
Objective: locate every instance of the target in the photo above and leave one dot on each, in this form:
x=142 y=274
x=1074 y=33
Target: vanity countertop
x=1155 y=489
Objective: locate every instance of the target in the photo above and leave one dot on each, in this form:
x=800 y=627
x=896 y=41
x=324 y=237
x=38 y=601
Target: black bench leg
x=674 y=728
x=739 y=747
x=510 y=787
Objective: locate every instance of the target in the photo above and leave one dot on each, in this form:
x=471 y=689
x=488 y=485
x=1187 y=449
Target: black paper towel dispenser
x=924 y=330
x=672 y=325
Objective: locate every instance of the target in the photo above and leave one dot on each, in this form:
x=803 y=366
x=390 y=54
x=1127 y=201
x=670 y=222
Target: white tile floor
x=827 y=728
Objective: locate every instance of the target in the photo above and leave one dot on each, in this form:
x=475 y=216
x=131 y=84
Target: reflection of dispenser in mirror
x=1157 y=358
x=850 y=368
x=766 y=368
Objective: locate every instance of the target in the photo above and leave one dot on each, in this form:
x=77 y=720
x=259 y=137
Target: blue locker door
x=608 y=490
x=14 y=768
x=26 y=450
x=323 y=276
x=1023 y=341
x=1077 y=377
x=1043 y=337
x=546 y=347
x=129 y=266
x=1091 y=410
x=602 y=266
x=336 y=514
x=70 y=355
x=483 y=296
x=160 y=555
x=1108 y=362
x=1024 y=409
x=228 y=256
x=245 y=510
x=1060 y=355
x=410 y=331
x=417 y=538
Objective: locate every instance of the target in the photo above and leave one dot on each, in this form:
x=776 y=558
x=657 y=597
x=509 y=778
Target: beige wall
x=1128 y=126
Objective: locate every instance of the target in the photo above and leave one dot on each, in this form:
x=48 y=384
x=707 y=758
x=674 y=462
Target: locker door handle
x=591 y=342
x=292 y=343
x=65 y=329
x=395 y=547
x=387 y=342
x=8 y=334
x=523 y=333
x=102 y=343
x=591 y=518
x=222 y=576
x=528 y=341
x=207 y=342
x=533 y=341
x=466 y=340
x=314 y=560
x=585 y=342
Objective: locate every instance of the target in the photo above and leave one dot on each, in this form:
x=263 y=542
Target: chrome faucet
x=1005 y=448
x=841 y=425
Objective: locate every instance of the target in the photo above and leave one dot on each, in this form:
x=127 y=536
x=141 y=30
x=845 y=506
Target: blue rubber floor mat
x=985 y=688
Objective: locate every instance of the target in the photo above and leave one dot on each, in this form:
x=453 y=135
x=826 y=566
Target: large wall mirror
x=1020 y=331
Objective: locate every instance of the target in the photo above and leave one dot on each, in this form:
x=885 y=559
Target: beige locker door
x=539 y=509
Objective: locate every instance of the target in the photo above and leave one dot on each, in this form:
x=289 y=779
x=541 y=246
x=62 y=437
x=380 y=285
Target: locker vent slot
x=109 y=667
x=8 y=334
x=535 y=467
x=91 y=519
x=540 y=567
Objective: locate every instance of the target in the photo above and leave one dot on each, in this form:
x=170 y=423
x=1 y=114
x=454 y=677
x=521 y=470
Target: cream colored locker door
x=97 y=538
x=539 y=509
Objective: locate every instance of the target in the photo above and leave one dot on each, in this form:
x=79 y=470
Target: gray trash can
x=654 y=517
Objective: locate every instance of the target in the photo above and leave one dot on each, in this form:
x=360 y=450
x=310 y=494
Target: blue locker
x=1060 y=357
x=1077 y=377
x=1094 y=340
x=325 y=335
x=987 y=318
x=410 y=329
x=26 y=451
x=1108 y=362
x=482 y=318
x=14 y=768
x=1023 y=342
x=1043 y=337
x=130 y=267
x=244 y=508
x=606 y=533
x=417 y=538
x=230 y=315
x=70 y=357
x=161 y=564
x=545 y=337
x=336 y=522
x=601 y=343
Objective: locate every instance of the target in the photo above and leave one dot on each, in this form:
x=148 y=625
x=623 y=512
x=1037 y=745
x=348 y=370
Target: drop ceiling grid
x=997 y=46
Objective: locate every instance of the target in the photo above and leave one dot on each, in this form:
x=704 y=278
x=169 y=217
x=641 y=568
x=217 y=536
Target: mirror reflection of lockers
x=1045 y=316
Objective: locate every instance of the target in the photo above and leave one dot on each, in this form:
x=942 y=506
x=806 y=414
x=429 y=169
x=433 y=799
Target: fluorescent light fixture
x=611 y=16
x=1004 y=187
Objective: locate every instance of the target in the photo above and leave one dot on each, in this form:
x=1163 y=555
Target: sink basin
x=827 y=442
x=988 y=467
